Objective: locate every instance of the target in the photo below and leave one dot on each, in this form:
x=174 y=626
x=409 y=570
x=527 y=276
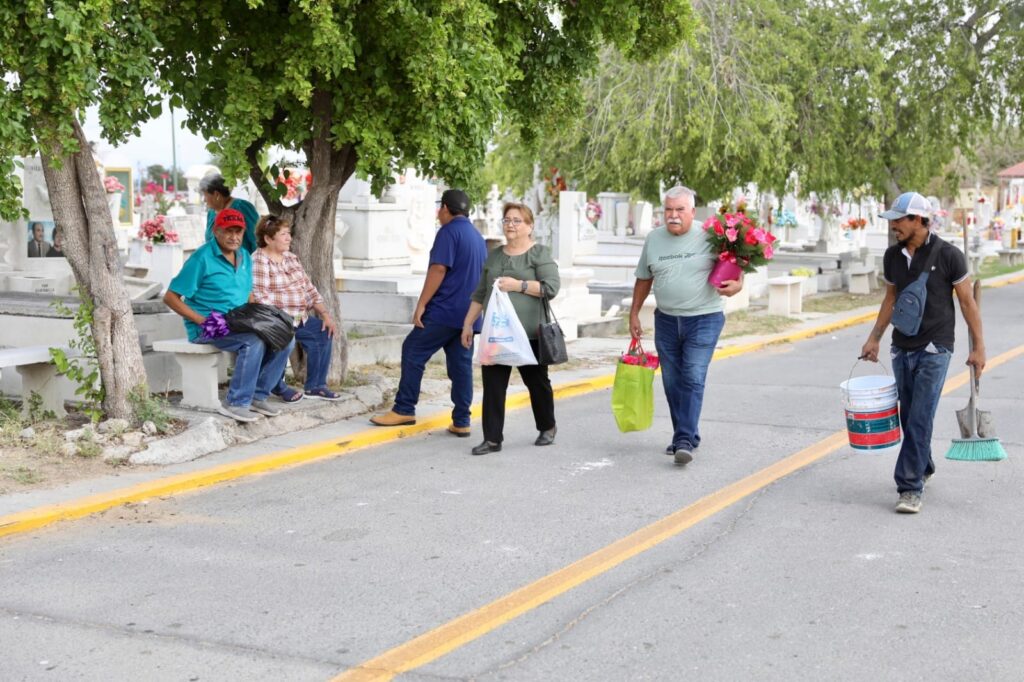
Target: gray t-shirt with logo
x=680 y=266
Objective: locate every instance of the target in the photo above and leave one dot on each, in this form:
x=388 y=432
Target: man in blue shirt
x=218 y=278
x=456 y=263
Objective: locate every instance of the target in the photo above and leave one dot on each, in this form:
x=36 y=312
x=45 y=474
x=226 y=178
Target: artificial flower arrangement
x=112 y=184
x=739 y=243
x=155 y=231
x=855 y=224
x=554 y=184
x=594 y=211
x=802 y=272
x=785 y=218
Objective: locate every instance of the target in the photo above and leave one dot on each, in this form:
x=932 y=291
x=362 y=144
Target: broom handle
x=972 y=411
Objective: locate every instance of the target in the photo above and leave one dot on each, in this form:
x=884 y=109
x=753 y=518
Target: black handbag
x=550 y=339
x=273 y=325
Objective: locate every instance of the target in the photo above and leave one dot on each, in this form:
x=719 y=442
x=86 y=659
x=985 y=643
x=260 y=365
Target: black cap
x=456 y=200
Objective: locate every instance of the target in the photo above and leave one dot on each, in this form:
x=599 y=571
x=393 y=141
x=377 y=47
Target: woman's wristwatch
x=522 y=287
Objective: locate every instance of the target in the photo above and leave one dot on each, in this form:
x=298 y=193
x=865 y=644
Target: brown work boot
x=392 y=418
x=460 y=431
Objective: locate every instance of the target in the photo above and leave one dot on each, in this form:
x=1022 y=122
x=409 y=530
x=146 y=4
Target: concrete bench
x=863 y=280
x=38 y=375
x=975 y=260
x=203 y=367
x=1011 y=257
x=785 y=296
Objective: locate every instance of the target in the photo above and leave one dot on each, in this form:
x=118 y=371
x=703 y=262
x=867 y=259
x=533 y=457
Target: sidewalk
x=24 y=511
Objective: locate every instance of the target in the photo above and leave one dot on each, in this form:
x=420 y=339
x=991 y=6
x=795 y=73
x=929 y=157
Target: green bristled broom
x=977 y=442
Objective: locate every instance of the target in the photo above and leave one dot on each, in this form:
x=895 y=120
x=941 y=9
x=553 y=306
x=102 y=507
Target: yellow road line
x=455 y=633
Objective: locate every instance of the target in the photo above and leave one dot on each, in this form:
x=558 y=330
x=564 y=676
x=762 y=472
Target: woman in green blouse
x=527 y=272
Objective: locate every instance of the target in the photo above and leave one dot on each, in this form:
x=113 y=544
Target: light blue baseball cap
x=908 y=203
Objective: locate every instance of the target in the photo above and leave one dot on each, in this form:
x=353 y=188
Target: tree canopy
x=401 y=83
x=843 y=92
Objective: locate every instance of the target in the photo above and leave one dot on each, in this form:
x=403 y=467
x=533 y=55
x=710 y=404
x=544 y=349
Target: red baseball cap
x=228 y=219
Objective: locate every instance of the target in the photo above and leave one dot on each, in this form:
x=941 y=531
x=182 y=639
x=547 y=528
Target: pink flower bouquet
x=112 y=184
x=740 y=244
x=155 y=231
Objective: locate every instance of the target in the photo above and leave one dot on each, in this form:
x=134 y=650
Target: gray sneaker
x=263 y=407
x=910 y=503
x=683 y=456
x=238 y=413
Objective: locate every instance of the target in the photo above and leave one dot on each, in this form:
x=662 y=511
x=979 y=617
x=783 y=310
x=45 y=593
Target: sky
x=152 y=146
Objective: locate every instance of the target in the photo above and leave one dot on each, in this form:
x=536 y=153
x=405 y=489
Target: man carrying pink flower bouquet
x=675 y=263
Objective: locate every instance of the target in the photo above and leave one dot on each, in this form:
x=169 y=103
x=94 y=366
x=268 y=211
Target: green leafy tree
x=844 y=92
x=381 y=86
x=59 y=57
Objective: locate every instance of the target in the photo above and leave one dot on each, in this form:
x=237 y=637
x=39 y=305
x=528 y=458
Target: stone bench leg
x=860 y=284
x=199 y=375
x=43 y=380
x=785 y=299
x=1006 y=259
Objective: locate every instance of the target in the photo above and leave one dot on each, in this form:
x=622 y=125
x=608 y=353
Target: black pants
x=542 y=398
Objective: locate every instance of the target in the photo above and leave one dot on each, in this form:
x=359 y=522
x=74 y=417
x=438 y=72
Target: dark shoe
x=670 y=450
x=486 y=448
x=392 y=418
x=460 y=431
x=546 y=437
x=323 y=394
x=683 y=456
x=289 y=395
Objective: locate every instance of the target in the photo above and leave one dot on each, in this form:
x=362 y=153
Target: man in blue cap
x=921 y=271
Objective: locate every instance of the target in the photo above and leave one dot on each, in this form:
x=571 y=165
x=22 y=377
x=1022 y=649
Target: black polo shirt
x=950 y=268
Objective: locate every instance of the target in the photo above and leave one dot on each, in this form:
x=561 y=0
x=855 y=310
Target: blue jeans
x=256 y=370
x=417 y=349
x=919 y=376
x=685 y=346
x=315 y=342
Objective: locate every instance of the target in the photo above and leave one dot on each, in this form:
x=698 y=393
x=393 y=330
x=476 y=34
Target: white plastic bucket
x=872 y=416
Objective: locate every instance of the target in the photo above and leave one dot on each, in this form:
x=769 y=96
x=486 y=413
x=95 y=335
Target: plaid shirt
x=284 y=285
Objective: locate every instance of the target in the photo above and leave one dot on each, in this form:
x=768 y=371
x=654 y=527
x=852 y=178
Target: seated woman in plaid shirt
x=278 y=279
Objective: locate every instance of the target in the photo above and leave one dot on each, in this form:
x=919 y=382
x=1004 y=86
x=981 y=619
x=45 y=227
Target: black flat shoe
x=546 y=437
x=486 y=448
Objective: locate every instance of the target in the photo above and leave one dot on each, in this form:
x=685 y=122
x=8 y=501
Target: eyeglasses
x=512 y=221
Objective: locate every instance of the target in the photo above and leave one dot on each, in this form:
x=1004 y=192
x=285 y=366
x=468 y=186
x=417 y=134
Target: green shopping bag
x=633 y=390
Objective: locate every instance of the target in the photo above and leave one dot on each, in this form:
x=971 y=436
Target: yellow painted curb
x=39 y=517
x=1016 y=279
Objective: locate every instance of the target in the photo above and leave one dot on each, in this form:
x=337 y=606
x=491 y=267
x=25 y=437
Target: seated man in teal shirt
x=216 y=279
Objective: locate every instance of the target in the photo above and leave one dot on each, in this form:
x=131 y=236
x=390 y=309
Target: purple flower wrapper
x=214 y=327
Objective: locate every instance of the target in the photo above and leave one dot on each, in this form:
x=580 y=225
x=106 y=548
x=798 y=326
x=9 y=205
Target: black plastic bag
x=273 y=325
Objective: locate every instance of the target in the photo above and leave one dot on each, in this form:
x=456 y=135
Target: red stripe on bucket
x=867 y=416
x=869 y=439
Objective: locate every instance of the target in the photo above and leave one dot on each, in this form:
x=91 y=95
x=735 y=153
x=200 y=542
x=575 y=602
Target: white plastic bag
x=503 y=340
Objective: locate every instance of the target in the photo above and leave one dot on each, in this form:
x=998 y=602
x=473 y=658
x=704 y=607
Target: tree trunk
x=81 y=212
x=313 y=218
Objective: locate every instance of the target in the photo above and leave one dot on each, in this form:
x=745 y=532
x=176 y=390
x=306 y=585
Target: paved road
x=306 y=573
